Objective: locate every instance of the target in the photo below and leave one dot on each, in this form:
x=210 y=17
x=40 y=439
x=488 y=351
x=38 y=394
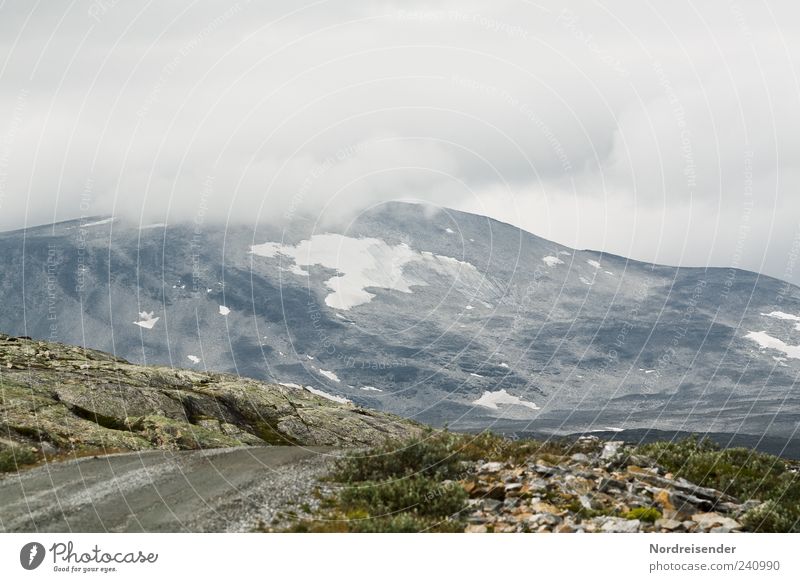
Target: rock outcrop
x=56 y=399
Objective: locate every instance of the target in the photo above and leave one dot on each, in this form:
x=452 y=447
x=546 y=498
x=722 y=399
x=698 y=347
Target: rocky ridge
x=57 y=399
x=601 y=487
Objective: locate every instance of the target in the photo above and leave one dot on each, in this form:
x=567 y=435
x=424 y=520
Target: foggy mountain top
x=639 y=131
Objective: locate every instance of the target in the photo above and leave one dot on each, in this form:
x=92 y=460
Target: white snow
x=492 y=399
x=329 y=375
x=361 y=263
x=449 y=231
x=469 y=308
x=609 y=273
x=503 y=365
x=567 y=253
x=98 y=222
x=309 y=357
x=290 y=384
x=339 y=399
x=593 y=263
x=475 y=375
x=785 y=317
x=224 y=310
x=371 y=389
x=146 y=319
x=586 y=281
x=194 y=359
x=156 y=225
x=766 y=341
x=552 y=261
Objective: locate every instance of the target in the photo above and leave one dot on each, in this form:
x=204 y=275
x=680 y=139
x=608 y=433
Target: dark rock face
x=422 y=314
x=56 y=399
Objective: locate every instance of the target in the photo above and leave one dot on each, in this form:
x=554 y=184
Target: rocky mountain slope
x=433 y=314
x=57 y=399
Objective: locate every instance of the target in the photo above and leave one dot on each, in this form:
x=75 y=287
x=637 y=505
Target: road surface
x=213 y=490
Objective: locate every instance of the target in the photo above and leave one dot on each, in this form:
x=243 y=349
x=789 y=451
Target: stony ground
x=605 y=488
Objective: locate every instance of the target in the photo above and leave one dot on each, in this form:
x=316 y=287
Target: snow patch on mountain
x=767 y=342
x=552 y=261
x=361 y=263
x=290 y=385
x=493 y=399
x=146 y=320
x=593 y=263
x=193 y=359
x=224 y=310
x=339 y=399
x=785 y=317
x=98 y=222
x=329 y=375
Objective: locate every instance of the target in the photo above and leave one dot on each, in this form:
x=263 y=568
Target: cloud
x=660 y=133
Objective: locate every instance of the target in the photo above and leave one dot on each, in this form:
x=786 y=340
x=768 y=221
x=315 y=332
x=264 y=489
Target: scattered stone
x=710 y=520
x=608 y=484
x=669 y=524
x=512 y=488
x=620 y=525
x=610 y=449
x=566 y=494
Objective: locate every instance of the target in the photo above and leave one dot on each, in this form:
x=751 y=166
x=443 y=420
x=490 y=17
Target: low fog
x=666 y=133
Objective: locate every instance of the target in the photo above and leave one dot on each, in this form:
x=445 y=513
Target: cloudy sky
x=662 y=131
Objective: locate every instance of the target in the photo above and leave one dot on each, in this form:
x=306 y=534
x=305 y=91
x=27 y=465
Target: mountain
x=433 y=314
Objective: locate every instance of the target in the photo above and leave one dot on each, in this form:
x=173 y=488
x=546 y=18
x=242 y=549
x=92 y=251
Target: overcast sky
x=664 y=131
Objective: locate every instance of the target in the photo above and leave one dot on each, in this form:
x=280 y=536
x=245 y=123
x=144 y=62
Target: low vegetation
x=739 y=472
x=440 y=482
x=412 y=485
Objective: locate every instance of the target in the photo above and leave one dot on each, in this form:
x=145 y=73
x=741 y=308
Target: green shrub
x=432 y=455
x=437 y=455
x=14 y=458
x=406 y=523
x=418 y=495
x=739 y=472
x=772 y=517
x=649 y=514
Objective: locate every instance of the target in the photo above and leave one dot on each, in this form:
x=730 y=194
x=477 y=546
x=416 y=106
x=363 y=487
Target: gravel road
x=214 y=490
